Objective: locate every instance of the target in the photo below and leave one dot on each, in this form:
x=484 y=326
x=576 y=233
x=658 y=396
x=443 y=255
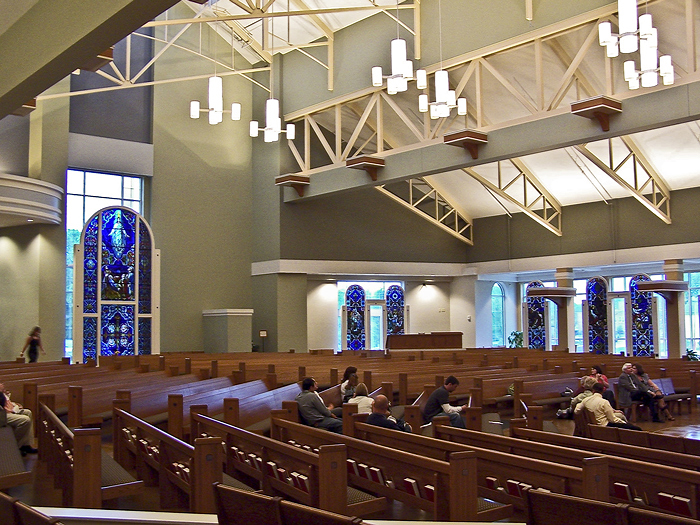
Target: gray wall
x=591 y=227
x=201 y=201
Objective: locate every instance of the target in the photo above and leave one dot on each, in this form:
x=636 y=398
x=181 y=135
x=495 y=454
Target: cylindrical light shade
x=451 y=98
x=604 y=33
x=443 y=110
x=235 y=111
x=194 y=108
x=408 y=70
x=421 y=79
x=647 y=58
x=645 y=26
x=434 y=112
x=650 y=79
x=653 y=38
x=391 y=87
x=423 y=103
x=398 y=56
x=442 y=86
x=291 y=132
x=665 y=65
x=376 y=76
x=612 y=49
x=215 y=116
x=275 y=125
x=253 y=128
x=216 y=93
x=272 y=109
x=634 y=83
x=627 y=12
x=401 y=84
x=461 y=106
x=629 y=70
x=270 y=135
x=628 y=43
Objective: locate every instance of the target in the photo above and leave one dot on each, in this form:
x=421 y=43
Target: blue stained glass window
x=144 y=270
x=118 y=254
x=117 y=329
x=597 y=297
x=355 y=306
x=90 y=268
x=535 y=319
x=395 y=310
x=642 y=319
x=89 y=338
x=144 y=336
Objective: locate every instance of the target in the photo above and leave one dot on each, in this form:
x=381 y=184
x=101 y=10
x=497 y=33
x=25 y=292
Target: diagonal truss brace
x=647 y=186
x=534 y=200
x=422 y=198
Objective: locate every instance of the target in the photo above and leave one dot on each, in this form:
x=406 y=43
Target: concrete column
x=565 y=310
x=675 y=310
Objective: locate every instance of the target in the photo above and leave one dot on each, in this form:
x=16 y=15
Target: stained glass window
x=117 y=258
x=535 y=319
x=118 y=332
x=597 y=297
x=642 y=318
x=498 y=324
x=395 y=310
x=355 y=311
x=118 y=255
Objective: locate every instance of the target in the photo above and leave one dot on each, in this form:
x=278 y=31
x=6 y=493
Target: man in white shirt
x=603 y=411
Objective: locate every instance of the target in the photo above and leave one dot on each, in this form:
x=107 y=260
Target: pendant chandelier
x=401 y=67
x=445 y=98
x=636 y=33
x=215 y=107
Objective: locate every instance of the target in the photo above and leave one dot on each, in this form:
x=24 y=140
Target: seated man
x=381 y=416
x=603 y=411
x=20 y=420
x=312 y=410
x=631 y=388
x=439 y=404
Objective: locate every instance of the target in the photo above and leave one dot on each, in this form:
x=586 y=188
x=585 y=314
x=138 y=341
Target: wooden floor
x=41 y=491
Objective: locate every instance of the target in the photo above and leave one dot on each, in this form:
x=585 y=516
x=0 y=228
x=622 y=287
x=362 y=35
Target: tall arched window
x=116 y=289
x=498 y=318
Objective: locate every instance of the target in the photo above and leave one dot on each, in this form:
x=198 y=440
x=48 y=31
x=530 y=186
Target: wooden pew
x=495 y=468
x=644 y=477
x=12 y=469
x=86 y=475
x=545 y=508
x=451 y=493
x=317 y=478
x=237 y=506
x=184 y=473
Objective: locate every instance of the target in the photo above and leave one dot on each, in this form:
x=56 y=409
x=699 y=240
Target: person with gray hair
x=631 y=388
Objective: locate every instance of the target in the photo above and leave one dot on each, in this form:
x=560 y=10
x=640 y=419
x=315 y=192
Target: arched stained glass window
x=498 y=321
x=597 y=297
x=355 y=307
x=536 y=334
x=395 y=305
x=114 y=286
x=642 y=318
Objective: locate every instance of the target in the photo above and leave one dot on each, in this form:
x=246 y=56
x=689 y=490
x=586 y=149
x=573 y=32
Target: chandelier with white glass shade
x=636 y=33
x=273 y=123
x=445 y=98
x=215 y=106
x=401 y=67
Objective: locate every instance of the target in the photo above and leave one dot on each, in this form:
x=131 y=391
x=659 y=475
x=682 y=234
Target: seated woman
x=362 y=399
x=597 y=374
x=587 y=383
x=658 y=394
x=348 y=383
